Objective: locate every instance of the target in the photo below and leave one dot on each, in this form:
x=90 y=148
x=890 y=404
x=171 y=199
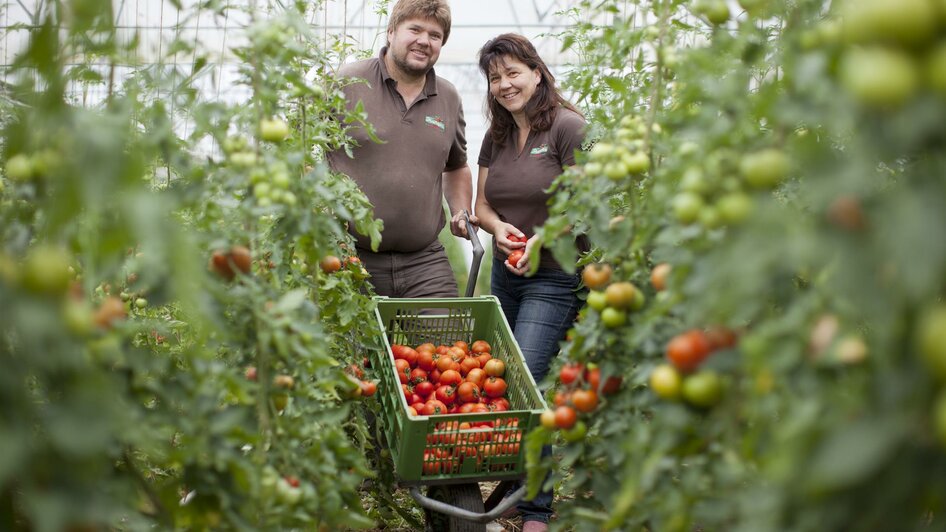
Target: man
x=422 y=159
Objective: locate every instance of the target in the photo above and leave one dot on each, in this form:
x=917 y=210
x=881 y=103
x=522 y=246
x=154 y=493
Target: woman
x=533 y=135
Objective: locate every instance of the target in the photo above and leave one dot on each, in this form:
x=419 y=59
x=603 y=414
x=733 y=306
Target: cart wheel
x=465 y=496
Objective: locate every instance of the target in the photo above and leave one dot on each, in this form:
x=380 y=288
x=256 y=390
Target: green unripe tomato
x=931 y=339
x=19 y=168
x=703 y=389
x=281 y=179
x=636 y=163
x=613 y=318
x=686 y=207
x=141 y=302
x=765 y=168
x=46 y=270
x=904 y=22
x=735 y=207
x=601 y=152
x=77 y=316
x=597 y=300
x=594 y=168
x=879 y=77
x=615 y=170
x=273 y=129
x=262 y=190
x=710 y=218
x=694 y=181
x=715 y=11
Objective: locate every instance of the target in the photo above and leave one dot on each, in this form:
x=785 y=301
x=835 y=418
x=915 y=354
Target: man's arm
x=458 y=189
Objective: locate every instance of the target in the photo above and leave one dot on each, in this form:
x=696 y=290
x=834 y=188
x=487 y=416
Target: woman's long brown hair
x=541 y=108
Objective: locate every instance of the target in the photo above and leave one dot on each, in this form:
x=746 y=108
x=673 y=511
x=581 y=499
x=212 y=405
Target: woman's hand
x=522 y=266
x=508 y=238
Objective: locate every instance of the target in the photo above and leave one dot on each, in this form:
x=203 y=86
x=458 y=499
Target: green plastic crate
x=433 y=449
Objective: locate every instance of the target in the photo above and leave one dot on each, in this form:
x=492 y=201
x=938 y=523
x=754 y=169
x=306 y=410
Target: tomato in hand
x=514 y=258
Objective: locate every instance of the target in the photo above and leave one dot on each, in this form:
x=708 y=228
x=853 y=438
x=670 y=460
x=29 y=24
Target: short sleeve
x=457 y=156
x=486 y=151
x=569 y=134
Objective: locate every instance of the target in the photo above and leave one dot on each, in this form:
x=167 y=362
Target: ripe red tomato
x=494 y=387
x=469 y=364
x=447 y=394
x=514 y=257
x=462 y=345
x=434 y=407
x=417 y=375
x=330 y=264
x=495 y=367
x=565 y=417
x=241 y=257
x=444 y=363
x=251 y=373
x=593 y=378
x=480 y=346
x=513 y=238
x=484 y=358
x=424 y=389
x=425 y=360
x=658 y=276
x=451 y=378
x=686 y=351
x=406 y=353
x=402 y=367
x=569 y=373
x=477 y=376
x=468 y=392
x=498 y=404
x=368 y=388
x=585 y=400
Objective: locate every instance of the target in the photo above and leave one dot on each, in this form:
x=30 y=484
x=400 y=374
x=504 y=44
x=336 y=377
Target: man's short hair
x=408 y=9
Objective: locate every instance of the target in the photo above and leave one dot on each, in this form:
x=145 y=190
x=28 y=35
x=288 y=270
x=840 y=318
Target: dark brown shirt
x=403 y=177
x=517 y=184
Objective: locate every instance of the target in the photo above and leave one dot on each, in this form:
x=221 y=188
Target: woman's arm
x=490 y=221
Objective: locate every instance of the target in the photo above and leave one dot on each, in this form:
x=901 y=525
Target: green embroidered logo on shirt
x=435 y=121
x=535 y=152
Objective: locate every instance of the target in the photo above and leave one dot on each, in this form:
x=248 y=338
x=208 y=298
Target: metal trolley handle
x=449 y=509
x=477 y=254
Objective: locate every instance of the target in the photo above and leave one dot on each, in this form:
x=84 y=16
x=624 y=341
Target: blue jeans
x=540 y=310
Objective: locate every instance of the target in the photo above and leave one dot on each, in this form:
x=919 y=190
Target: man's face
x=415 y=45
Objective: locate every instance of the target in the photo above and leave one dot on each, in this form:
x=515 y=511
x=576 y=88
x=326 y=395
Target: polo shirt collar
x=430 y=89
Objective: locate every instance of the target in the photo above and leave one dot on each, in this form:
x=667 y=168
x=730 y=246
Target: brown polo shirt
x=403 y=176
x=517 y=183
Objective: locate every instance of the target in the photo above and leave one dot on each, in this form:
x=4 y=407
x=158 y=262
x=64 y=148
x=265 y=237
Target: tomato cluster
x=455 y=379
x=580 y=395
x=681 y=378
x=615 y=300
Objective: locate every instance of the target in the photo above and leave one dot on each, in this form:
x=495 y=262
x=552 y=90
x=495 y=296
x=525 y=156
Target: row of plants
x=178 y=309
x=766 y=296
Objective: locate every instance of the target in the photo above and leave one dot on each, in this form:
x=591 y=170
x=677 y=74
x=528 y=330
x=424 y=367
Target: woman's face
x=513 y=83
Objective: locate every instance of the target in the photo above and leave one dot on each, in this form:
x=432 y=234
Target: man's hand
x=458 y=224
